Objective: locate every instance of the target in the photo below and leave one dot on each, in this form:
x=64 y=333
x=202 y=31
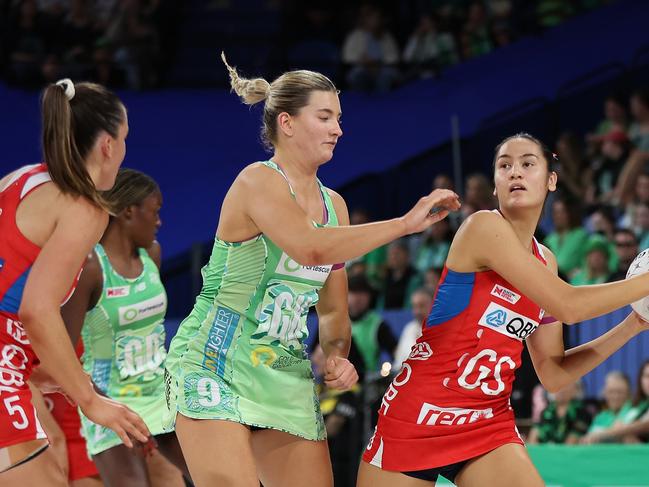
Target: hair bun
x=68 y=87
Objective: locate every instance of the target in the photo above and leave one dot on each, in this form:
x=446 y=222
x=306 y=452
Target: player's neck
x=118 y=245
x=301 y=174
x=524 y=224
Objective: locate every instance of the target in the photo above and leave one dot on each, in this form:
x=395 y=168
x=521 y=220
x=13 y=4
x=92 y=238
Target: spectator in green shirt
x=596 y=267
x=564 y=420
x=568 y=240
x=623 y=421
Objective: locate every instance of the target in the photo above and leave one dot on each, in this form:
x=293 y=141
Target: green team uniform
x=123 y=338
x=240 y=354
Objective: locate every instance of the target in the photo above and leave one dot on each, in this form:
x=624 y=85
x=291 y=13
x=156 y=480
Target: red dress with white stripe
x=18 y=420
x=450 y=402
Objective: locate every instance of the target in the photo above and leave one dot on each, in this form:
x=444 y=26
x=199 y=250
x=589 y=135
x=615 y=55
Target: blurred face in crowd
x=421 y=303
x=601 y=224
x=521 y=175
x=398 y=257
x=431 y=279
x=358 y=217
x=614 y=111
x=616 y=392
x=358 y=302
x=439 y=231
x=644 y=380
x=641 y=218
x=597 y=262
x=560 y=216
x=442 y=181
x=612 y=150
x=626 y=247
x=639 y=109
x=642 y=188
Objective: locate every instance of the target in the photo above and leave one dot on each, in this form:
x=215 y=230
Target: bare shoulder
x=482 y=221
x=155 y=252
x=91 y=269
x=256 y=176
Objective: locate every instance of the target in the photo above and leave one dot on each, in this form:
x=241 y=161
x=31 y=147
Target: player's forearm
x=330 y=245
x=335 y=334
x=586 y=302
x=580 y=360
x=53 y=347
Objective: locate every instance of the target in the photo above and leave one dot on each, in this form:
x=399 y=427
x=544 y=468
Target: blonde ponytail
x=250 y=91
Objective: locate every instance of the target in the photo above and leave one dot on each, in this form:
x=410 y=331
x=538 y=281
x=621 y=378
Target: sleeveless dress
x=123 y=340
x=450 y=401
x=240 y=354
x=18 y=419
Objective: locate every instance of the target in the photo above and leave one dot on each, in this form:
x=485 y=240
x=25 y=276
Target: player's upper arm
x=155 y=252
x=269 y=204
x=85 y=297
x=78 y=228
x=487 y=241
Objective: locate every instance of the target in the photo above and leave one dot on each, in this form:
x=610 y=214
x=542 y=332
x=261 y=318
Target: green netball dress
x=240 y=354
x=123 y=338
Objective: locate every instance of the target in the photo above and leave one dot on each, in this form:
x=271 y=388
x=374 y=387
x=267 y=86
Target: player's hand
x=431 y=209
x=118 y=417
x=340 y=373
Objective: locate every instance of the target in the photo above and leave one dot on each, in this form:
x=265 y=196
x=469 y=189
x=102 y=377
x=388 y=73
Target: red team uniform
x=18 y=420
x=450 y=402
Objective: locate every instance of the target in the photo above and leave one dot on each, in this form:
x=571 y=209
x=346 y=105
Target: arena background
x=193 y=136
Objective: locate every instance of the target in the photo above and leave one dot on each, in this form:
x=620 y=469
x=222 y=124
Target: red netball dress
x=450 y=402
x=18 y=420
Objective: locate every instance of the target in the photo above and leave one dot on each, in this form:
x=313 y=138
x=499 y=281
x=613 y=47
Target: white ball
x=640 y=265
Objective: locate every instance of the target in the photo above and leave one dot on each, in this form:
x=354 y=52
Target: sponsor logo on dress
x=219 y=339
x=432 y=415
x=507 y=322
x=118 y=291
x=506 y=294
x=288 y=267
x=263 y=355
x=420 y=351
x=144 y=309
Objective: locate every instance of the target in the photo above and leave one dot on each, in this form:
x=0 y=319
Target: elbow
x=551 y=386
x=307 y=256
x=566 y=308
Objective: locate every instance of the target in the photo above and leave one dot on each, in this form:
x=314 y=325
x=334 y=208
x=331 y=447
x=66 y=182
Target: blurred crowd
x=119 y=43
x=383 y=44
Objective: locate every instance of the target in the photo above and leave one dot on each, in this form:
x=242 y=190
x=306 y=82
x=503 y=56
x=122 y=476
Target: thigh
x=87 y=482
x=44 y=469
x=217 y=452
x=120 y=466
x=162 y=473
x=170 y=448
x=285 y=459
x=371 y=476
x=506 y=466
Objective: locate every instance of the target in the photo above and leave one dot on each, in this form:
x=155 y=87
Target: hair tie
x=68 y=87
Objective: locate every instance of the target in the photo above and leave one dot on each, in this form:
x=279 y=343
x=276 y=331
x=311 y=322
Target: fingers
x=123 y=436
x=445 y=198
x=342 y=375
x=136 y=427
